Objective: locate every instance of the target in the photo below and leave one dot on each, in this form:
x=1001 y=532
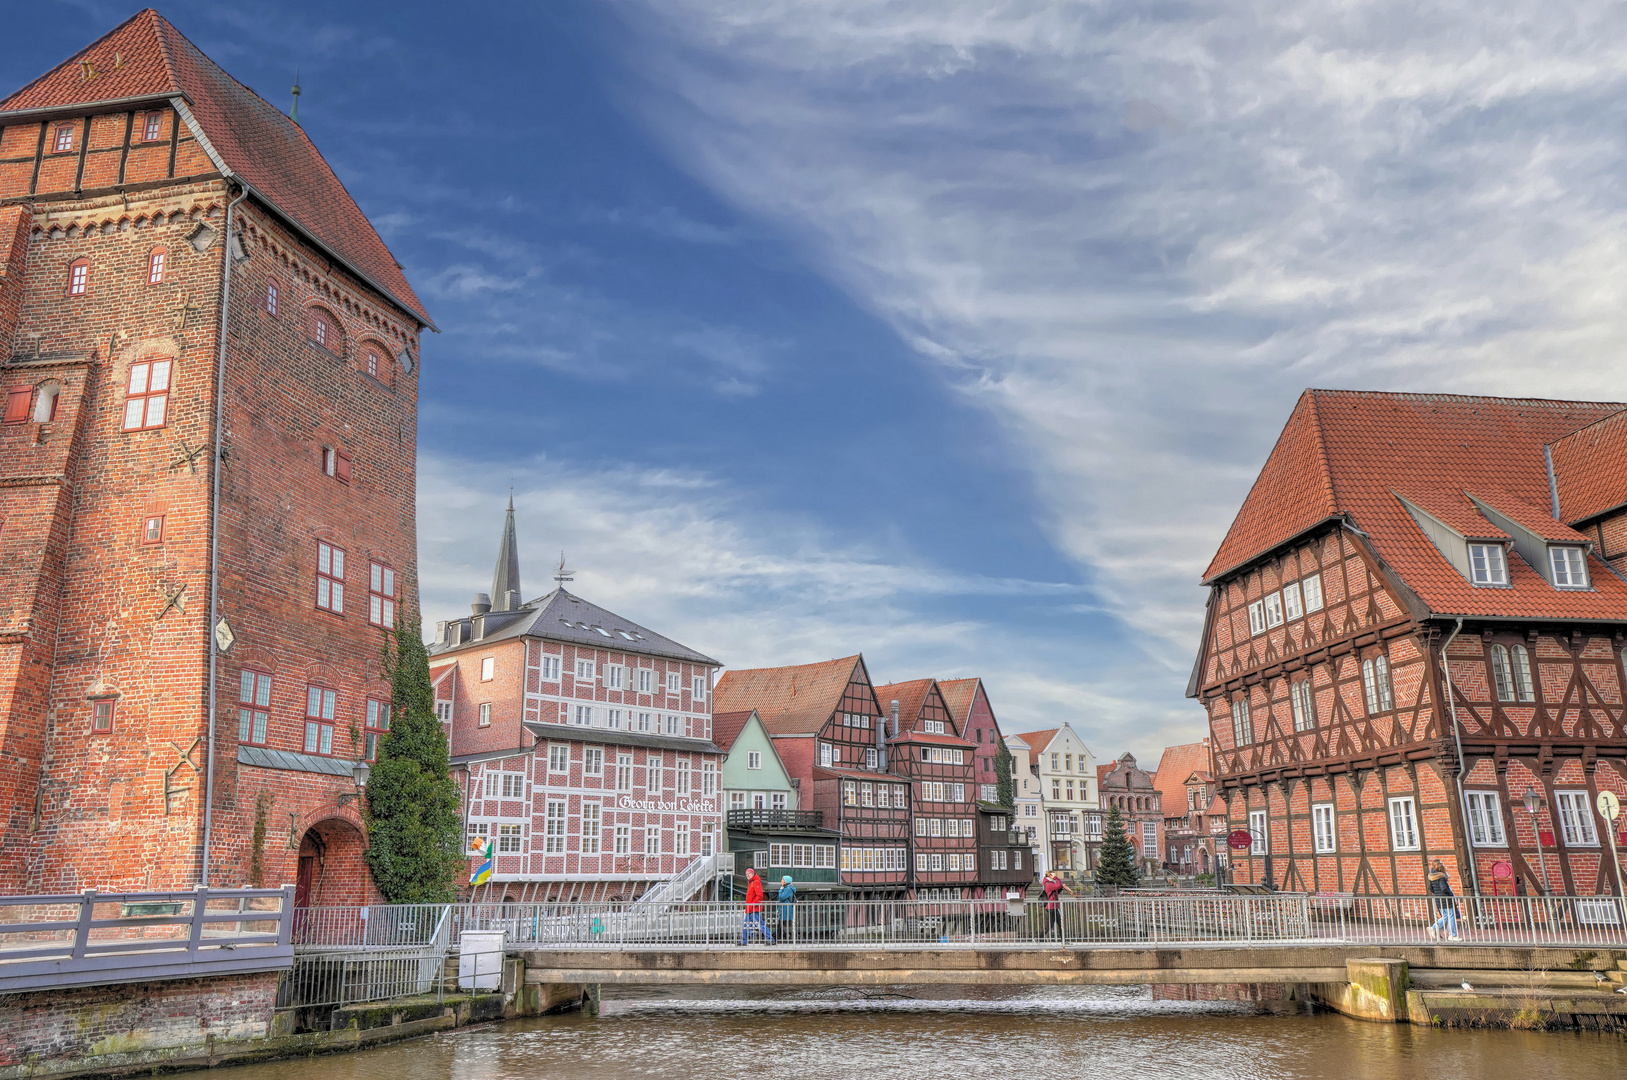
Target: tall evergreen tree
x=1117 y=868
x=415 y=832
x=1005 y=786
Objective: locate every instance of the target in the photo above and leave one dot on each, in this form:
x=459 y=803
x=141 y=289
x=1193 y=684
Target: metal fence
x=350 y=978
x=91 y=938
x=1193 y=918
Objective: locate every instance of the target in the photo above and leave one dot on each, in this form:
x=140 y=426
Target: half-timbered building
x=583 y=745
x=928 y=751
x=827 y=727
x=1415 y=624
x=969 y=706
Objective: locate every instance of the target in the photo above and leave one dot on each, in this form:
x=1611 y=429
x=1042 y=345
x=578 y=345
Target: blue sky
x=952 y=333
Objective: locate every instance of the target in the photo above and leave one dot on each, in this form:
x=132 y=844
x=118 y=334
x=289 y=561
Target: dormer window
x=1487 y=565
x=1569 y=567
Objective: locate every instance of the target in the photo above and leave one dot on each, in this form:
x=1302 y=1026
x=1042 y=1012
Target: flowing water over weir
x=916 y=1033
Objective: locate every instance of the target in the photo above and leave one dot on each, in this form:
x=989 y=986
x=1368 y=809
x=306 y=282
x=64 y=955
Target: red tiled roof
x=1454 y=509
x=793 y=700
x=1175 y=767
x=727 y=726
x=959 y=694
x=1538 y=520
x=1038 y=740
x=146 y=57
x=911 y=696
x=1103 y=770
x=1588 y=469
x=1348 y=452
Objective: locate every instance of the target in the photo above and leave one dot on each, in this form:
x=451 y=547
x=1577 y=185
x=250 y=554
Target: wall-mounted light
x=358 y=773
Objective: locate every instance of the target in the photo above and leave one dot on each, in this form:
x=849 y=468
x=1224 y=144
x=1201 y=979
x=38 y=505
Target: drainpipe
x=1457 y=737
x=214 y=534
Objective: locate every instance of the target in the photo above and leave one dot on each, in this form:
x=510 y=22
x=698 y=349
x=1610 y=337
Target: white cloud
x=1135 y=234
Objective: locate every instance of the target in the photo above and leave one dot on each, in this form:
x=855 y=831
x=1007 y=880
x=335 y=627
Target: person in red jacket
x=754 y=908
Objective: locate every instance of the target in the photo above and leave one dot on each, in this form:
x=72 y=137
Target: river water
x=977 y=1034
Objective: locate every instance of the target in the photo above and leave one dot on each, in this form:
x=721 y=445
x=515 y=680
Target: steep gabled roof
x=1350 y=453
x=146 y=58
x=960 y=695
x=1175 y=767
x=911 y=697
x=1590 y=469
x=560 y=616
x=1038 y=740
x=795 y=700
x=727 y=726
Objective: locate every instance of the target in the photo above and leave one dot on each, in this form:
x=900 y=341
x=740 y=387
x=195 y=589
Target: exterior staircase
x=687 y=883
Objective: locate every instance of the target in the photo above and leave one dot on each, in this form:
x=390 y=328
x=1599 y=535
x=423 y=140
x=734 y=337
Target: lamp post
x=1533 y=802
x=358 y=773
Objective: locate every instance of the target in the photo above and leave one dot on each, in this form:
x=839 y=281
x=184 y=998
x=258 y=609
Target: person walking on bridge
x=1052 y=889
x=787 y=898
x=1440 y=888
x=754 y=909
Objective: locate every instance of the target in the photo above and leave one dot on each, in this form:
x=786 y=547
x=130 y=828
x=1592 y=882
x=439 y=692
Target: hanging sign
x=1609 y=805
x=223 y=635
x=1240 y=839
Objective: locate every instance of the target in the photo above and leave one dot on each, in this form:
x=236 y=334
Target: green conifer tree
x=1005 y=786
x=415 y=832
x=1117 y=867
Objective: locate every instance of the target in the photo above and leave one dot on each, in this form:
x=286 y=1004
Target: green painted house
x=763 y=824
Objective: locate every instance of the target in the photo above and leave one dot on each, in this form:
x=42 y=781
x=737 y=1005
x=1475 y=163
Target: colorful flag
x=481 y=848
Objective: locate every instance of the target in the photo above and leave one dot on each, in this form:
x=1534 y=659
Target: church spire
x=505 y=582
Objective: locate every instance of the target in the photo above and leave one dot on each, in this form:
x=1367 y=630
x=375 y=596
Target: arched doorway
x=331 y=868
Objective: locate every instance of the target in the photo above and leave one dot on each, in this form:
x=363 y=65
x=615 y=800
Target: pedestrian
x=1052 y=889
x=787 y=897
x=754 y=908
x=1440 y=888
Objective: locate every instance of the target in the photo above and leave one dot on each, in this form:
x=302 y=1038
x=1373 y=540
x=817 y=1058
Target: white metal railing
x=92 y=938
x=1175 y=918
x=688 y=882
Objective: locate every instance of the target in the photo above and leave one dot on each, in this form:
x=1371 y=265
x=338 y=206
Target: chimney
x=481 y=605
x=512 y=601
x=895 y=718
x=440 y=633
x=881 y=743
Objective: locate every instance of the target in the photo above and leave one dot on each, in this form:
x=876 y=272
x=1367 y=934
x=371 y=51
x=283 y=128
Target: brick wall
x=76 y=1023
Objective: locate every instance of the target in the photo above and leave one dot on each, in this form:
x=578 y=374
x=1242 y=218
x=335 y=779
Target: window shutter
x=341 y=465
x=17 y=404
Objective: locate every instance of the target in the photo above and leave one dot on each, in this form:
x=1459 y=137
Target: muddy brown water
x=978 y=1034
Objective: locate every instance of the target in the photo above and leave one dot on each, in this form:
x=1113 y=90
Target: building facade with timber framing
x=1417 y=617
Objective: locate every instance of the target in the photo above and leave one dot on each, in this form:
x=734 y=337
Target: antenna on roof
x=562 y=575
x=294 y=116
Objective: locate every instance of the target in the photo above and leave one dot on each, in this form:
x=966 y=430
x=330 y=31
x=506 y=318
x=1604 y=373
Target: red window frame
x=17 y=401
x=324 y=330
x=152 y=127
x=79 y=277
x=62 y=142
x=102 y=711
x=147 y=393
x=152 y=530
x=330 y=578
x=156 y=259
x=273 y=290
x=381 y=594
x=321 y=705
x=336 y=463
x=378 y=723
x=254 y=706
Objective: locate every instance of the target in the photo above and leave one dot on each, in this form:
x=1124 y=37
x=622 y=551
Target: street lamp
x=1533 y=802
x=358 y=773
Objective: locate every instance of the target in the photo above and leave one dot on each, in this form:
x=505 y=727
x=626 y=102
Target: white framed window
x=1299 y=696
x=485 y=714
x=957 y=792
x=1322 y=828
x=1256 y=617
x=777 y=800
x=559 y=758
x=1149 y=839
x=680 y=841
x=1293 y=606
x=592 y=760
x=935 y=861
x=1312 y=587
x=591 y=828
x=872 y=759
x=920 y=862
x=584 y=715
x=867 y=795
x=146 y=401
x=612 y=718
x=682 y=785
x=624 y=839
x=826 y=756
x=1501 y=678
x=1524 y=687
x=646 y=681
x=1382 y=684
x=508 y=839
x=920 y=826
x=615 y=676
x=550 y=668
x=1242 y=727
x=1484 y=811
x=652 y=840
x=1261 y=844
x=554 y=832
x=443 y=710
x=488 y=668
x=1487 y=565
x=330 y=578
x=1403 y=824
x=652 y=776
x=673 y=682
x=1569 y=566
x=1576 y=819
x=708 y=778
x=1273 y=610
x=697 y=688
x=737 y=800
x=640 y=722
x=624 y=772
x=754 y=759
x=584 y=670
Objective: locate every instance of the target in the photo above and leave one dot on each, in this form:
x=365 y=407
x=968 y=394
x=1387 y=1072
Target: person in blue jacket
x=787 y=897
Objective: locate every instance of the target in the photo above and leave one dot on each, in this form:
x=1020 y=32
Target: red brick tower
x=161 y=482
